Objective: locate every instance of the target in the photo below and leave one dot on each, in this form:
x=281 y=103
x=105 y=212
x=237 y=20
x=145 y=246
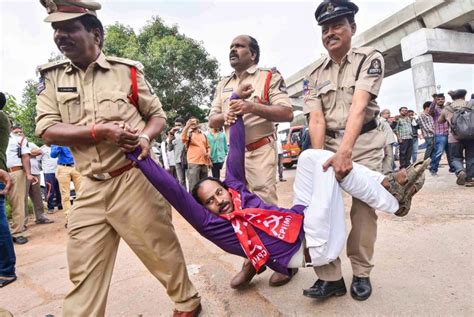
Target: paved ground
x=424 y=266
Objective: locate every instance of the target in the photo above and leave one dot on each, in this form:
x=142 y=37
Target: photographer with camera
x=18 y=165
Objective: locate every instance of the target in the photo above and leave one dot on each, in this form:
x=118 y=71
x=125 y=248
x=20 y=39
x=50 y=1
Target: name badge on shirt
x=67 y=89
x=227 y=89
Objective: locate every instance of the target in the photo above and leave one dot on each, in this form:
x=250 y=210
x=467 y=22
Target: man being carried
x=241 y=223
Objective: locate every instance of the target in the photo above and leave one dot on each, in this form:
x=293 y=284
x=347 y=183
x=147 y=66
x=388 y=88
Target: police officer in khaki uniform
x=83 y=103
x=268 y=103
x=340 y=101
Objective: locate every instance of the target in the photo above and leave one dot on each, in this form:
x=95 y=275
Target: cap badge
x=51 y=7
x=330 y=8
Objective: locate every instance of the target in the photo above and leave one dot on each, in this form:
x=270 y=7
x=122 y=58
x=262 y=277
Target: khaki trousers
x=64 y=175
x=34 y=192
x=127 y=207
x=18 y=198
x=368 y=151
x=260 y=170
x=387 y=163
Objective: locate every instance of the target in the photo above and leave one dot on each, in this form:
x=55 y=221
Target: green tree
x=24 y=113
x=12 y=108
x=178 y=68
x=27 y=117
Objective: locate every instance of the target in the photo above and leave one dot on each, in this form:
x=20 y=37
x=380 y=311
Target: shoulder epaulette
x=365 y=50
x=266 y=69
x=313 y=67
x=226 y=77
x=224 y=80
x=126 y=61
x=51 y=65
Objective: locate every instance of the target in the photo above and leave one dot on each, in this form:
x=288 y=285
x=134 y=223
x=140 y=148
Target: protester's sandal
x=5 y=281
x=414 y=182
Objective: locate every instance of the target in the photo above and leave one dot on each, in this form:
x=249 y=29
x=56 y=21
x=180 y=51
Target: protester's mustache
x=233 y=55
x=223 y=206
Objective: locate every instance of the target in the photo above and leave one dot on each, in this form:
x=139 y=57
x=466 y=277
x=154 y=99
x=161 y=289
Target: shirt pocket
x=113 y=106
x=226 y=100
x=70 y=107
x=347 y=91
x=326 y=95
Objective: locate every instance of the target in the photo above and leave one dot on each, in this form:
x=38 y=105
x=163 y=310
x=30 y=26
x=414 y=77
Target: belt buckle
x=340 y=133
x=102 y=176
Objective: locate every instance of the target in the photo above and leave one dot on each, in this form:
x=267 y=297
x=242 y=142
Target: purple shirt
x=435 y=112
x=218 y=230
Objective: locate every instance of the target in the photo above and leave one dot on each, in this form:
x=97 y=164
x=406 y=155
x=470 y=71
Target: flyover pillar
x=423 y=79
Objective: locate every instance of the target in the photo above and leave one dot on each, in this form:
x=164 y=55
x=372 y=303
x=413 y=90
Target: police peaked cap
x=63 y=10
x=331 y=9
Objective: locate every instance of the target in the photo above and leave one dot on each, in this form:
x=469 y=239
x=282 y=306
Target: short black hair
x=3 y=100
x=458 y=94
x=194 y=191
x=402 y=108
x=427 y=104
x=180 y=120
x=254 y=48
x=91 y=22
x=350 y=18
x=411 y=111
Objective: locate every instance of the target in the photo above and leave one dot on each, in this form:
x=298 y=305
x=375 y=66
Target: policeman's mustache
x=65 y=42
x=332 y=37
x=233 y=55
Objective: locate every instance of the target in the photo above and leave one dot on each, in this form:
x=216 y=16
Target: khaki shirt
x=69 y=95
x=255 y=127
x=331 y=86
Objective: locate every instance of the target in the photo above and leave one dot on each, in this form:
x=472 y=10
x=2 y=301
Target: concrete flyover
x=422 y=33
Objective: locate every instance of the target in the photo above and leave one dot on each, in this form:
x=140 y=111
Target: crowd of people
x=435 y=126
x=352 y=150
x=189 y=161
x=27 y=164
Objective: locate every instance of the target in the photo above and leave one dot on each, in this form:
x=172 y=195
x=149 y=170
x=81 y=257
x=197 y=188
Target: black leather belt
x=70 y=165
x=369 y=126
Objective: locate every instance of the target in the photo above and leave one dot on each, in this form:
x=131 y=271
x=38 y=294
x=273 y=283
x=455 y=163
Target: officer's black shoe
x=361 y=289
x=325 y=289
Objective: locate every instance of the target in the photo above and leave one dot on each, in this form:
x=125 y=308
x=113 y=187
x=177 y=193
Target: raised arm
x=235 y=168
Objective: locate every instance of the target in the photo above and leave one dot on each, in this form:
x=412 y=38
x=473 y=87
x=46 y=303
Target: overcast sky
x=287 y=32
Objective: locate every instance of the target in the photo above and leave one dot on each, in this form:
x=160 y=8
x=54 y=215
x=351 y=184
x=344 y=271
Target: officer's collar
x=101 y=61
x=251 y=70
x=348 y=57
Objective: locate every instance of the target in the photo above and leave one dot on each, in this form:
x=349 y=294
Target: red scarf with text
x=281 y=225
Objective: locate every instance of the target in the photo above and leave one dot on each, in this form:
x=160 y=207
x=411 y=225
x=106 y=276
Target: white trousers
x=320 y=192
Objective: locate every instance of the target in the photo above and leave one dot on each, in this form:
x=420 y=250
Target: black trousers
x=406 y=150
x=216 y=169
x=463 y=154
